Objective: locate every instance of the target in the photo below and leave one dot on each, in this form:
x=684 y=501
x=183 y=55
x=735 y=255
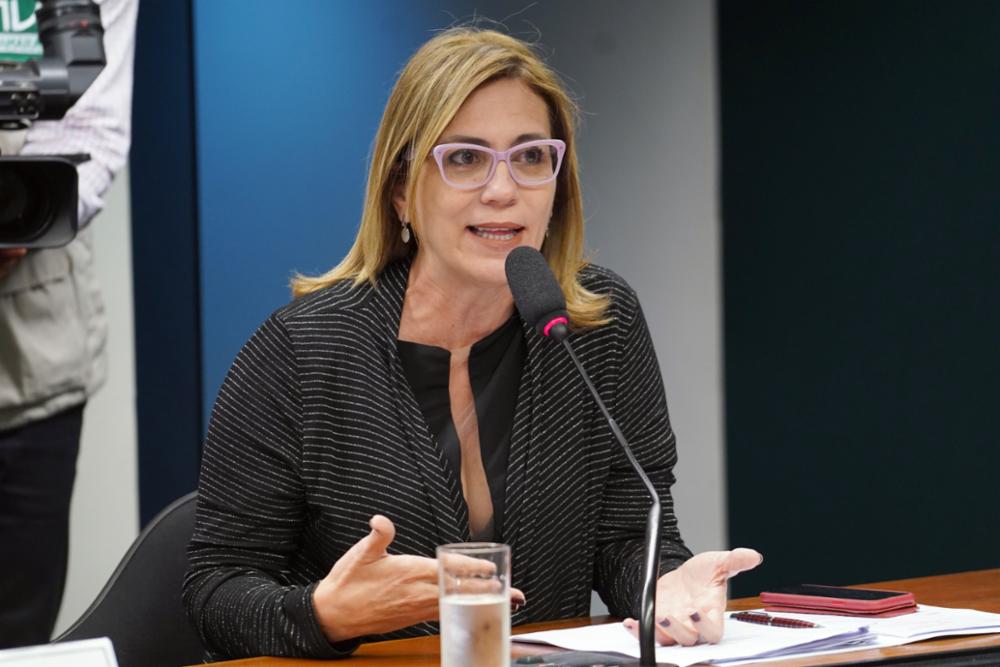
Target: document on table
x=930 y=622
x=81 y=653
x=743 y=642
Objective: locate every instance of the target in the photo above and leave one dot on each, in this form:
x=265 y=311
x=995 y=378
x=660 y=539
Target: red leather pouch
x=816 y=599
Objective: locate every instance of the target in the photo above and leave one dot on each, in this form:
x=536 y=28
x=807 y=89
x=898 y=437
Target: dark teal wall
x=165 y=257
x=861 y=218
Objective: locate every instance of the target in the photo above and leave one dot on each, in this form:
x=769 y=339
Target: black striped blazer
x=316 y=429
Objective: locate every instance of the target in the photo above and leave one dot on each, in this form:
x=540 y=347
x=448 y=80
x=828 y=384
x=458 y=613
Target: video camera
x=38 y=194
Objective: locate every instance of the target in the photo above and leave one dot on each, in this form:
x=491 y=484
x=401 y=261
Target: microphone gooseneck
x=541 y=303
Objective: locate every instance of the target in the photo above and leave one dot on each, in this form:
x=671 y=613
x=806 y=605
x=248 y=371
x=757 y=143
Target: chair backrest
x=140 y=606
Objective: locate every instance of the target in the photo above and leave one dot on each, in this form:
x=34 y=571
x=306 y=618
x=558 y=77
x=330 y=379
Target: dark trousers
x=37 y=469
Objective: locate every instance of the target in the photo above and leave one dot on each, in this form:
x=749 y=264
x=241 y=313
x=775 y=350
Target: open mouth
x=496 y=233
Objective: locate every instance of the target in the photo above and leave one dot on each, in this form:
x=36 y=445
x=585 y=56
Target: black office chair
x=140 y=606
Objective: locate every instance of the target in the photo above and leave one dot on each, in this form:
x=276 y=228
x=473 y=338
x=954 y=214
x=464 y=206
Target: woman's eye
x=464 y=156
x=531 y=155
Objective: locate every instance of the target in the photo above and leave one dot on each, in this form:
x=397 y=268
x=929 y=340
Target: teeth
x=495 y=234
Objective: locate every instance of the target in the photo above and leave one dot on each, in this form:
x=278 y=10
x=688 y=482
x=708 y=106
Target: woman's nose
x=501 y=188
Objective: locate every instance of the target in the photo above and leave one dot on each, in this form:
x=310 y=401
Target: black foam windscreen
x=537 y=294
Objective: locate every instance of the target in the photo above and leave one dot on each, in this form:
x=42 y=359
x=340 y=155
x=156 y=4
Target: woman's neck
x=447 y=314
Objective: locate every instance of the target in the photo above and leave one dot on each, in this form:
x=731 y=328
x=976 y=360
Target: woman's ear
x=399 y=201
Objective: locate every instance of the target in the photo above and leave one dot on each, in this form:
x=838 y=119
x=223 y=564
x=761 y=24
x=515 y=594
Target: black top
x=495 y=364
x=316 y=429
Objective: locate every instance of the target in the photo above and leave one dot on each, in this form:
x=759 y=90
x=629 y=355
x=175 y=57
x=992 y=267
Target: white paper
x=742 y=642
x=932 y=622
x=83 y=653
x=926 y=623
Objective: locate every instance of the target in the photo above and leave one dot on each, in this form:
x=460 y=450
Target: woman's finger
x=680 y=627
x=662 y=639
x=740 y=560
x=473 y=586
x=461 y=565
x=415 y=568
x=710 y=624
x=383 y=531
x=373 y=546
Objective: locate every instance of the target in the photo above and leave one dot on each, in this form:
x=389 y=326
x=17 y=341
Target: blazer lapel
x=530 y=439
x=444 y=492
x=521 y=504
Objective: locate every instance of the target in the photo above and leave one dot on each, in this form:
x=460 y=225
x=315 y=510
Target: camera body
x=38 y=194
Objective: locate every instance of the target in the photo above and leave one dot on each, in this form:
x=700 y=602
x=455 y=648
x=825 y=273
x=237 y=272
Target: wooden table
x=974 y=590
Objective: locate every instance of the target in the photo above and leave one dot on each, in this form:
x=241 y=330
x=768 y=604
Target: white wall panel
x=104 y=517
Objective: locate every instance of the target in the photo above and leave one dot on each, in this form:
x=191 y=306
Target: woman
x=399 y=402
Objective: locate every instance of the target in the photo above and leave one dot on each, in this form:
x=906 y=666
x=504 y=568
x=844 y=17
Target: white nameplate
x=84 y=653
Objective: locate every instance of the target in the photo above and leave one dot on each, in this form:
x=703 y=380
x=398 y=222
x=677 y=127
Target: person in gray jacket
x=52 y=340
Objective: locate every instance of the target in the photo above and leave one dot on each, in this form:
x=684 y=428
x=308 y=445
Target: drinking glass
x=474 y=580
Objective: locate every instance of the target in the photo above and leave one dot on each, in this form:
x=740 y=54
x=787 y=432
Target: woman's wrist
x=324 y=603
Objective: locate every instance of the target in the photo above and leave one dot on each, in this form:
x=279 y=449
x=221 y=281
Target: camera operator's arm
x=100 y=121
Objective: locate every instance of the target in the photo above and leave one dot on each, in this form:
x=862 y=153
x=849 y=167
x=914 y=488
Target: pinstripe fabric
x=316 y=428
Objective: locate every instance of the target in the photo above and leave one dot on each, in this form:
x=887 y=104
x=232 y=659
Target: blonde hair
x=431 y=88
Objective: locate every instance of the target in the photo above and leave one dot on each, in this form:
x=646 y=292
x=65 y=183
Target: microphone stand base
x=583 y=659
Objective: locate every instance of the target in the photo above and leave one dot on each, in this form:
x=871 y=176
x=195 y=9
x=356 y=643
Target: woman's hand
x=690 y=600
x=370 y=592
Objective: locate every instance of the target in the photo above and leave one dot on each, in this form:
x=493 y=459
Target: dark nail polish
x=696 y=617
x=665 y=623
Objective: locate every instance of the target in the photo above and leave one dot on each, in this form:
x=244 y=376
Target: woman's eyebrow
x=466 y=139
x=531 y=136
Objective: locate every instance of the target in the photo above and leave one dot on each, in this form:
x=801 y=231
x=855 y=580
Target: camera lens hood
x=38 y=201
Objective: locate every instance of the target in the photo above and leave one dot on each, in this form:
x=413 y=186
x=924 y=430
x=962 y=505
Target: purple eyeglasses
x=470 y=166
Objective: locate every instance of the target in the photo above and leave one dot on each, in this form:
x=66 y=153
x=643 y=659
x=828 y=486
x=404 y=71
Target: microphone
x=541 y=303
x=537 y=294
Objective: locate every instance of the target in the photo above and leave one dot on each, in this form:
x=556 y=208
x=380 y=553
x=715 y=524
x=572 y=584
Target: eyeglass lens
x=468 y=166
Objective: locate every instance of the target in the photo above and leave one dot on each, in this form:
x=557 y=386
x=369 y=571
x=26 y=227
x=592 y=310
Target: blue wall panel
x=288 y=98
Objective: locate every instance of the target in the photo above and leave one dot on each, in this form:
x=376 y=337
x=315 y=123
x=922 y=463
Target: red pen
x=762 y=618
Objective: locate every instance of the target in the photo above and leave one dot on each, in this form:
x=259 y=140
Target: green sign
x=18 y=31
